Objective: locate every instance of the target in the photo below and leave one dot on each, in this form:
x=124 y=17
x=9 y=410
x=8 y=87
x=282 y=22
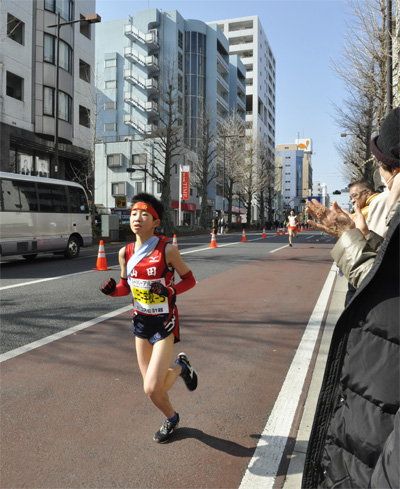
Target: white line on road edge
x=33 y=282
x=263 y=467
x=62 y=334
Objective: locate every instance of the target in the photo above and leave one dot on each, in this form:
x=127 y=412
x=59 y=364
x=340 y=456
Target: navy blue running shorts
x=155 y=328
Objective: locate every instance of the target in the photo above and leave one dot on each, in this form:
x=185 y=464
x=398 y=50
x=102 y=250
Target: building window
x=49 y=52
x=110 y=105
x=114 y=161
x=64 y=7
x=15 y=29
x=84 y=116
x=139 y=187
x=84 y=71
x=180 y=61
x=48 y=101
x=110 y=63
x=64 y=106
x=65 y=56
x=180 y=39
x=118 y=188
x=49 y=49
x=180 y=83
x=15 y=86
x=110 y=84
x=84 y=27
x=139 y=159
x=110 y=127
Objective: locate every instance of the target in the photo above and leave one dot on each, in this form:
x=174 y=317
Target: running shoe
x=189 y=375
x=166 y=431
x=290 y=244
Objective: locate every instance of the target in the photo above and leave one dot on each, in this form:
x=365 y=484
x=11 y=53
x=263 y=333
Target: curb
x=296 y=466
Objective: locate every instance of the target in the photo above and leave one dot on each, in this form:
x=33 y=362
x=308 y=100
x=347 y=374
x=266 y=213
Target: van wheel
x=73 y=247
x=29 y=257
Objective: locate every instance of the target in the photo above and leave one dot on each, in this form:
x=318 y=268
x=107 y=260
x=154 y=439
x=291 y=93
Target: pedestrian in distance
x=221 y=225
x=147 y=270
x=292 y=226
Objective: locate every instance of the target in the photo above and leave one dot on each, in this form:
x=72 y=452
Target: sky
x=305 y=36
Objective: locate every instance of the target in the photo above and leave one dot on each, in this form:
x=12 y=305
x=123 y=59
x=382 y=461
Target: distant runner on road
x=292 y=226
x=147 y=270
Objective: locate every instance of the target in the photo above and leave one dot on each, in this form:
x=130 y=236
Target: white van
x=42 y=215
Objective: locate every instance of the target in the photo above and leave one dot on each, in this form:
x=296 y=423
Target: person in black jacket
x=354 y=441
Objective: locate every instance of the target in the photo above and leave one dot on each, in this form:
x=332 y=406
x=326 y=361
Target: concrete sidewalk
x=296 y=466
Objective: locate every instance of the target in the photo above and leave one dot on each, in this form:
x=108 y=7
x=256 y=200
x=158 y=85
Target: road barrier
x=101 y=264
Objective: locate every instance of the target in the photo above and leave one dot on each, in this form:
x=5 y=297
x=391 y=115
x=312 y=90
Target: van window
x=77 y=200
x=52 y=198
x=18 y=196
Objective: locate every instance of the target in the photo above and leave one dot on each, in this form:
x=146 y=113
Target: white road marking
x=263 y=467
x=62 y=334
x=23 y=284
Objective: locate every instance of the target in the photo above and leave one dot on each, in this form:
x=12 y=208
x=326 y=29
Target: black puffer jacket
x=354 y=429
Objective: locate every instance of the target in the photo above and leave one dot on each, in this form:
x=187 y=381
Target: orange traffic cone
x=213 y=243
x=283 y=231
x=301 y=229
x=175 y=241
x=263 y=234
x=101 y=264
x=277 y=232
x=243 y=240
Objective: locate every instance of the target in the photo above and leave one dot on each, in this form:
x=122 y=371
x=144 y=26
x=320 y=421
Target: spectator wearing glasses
x=361 y=193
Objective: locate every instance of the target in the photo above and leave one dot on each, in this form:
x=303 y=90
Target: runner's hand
x=109 y=287
x=160 y=289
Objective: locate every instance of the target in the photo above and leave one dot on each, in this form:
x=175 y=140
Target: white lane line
x=61 y=334
x=33 y=282
x=263 y=467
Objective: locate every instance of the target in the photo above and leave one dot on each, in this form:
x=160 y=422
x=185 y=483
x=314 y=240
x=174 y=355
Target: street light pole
x=90 y=19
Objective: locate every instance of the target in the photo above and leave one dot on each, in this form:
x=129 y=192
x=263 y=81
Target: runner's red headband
x=145 y=207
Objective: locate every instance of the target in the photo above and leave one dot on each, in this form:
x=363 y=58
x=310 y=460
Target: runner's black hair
x=151 y=200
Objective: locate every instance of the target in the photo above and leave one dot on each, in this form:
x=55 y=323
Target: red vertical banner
x=185 y=183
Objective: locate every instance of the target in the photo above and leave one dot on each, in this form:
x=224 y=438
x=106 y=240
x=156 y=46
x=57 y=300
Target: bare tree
x=231 y=154
x=362 y=67
x=204 y=171
x=168 y=147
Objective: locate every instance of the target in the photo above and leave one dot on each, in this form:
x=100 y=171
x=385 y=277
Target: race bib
x=144 y=301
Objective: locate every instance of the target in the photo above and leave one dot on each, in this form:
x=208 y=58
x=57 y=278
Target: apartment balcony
x=223 y=85
x=241 y=87
x=139 y=126
x=148 y=84
x=149 y=62
x=222 y=104
x=222 y=65
x=241 y=103
x=149 y=39
x=150 y=108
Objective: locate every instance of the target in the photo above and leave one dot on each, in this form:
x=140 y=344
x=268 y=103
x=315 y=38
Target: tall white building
x=137 y=58
x=247 y=39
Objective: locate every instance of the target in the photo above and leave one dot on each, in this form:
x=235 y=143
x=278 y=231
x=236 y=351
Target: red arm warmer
x=186 y=283
x=122 y=288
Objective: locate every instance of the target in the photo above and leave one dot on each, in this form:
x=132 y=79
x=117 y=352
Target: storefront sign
x=185 y=182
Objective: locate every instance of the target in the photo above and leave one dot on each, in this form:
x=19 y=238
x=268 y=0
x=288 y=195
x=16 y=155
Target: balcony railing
x=149 y=62
x=150 y=39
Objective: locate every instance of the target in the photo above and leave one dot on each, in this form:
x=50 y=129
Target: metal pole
x=56 y=94
x=389 y=59
x=180 y=195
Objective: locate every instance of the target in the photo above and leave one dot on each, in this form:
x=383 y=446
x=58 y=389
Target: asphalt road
x=74 y=412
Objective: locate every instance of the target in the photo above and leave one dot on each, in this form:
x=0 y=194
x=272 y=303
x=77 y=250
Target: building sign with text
x=185 y=182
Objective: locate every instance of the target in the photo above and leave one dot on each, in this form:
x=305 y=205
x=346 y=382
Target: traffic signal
x=337 y=192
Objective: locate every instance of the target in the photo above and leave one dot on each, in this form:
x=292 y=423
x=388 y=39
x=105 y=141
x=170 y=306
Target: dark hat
x=386 y=146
